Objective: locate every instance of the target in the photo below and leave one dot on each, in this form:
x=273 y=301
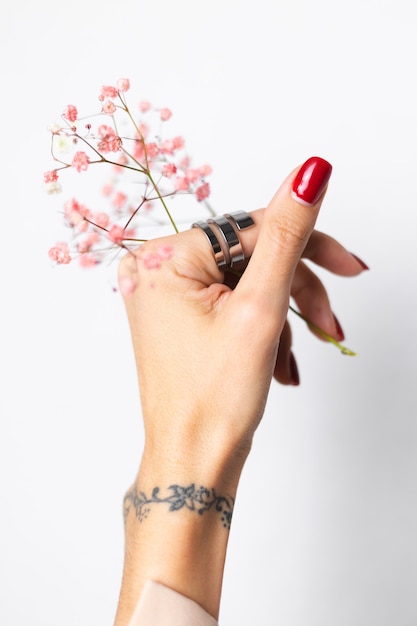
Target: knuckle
x=287 y=232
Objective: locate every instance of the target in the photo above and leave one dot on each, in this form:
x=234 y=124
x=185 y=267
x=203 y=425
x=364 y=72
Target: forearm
x=177 y=522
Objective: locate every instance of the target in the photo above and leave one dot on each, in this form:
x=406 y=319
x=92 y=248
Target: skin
x=207 y=346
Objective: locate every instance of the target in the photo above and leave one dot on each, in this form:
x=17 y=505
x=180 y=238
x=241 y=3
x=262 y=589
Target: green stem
x=161 y=198
x=323 y=334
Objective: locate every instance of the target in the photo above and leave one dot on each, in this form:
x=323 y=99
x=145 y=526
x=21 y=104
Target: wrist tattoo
x=194 y=499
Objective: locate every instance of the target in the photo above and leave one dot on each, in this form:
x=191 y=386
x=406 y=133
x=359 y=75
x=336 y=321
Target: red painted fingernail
x=339 y=329
x=295 y=377
x=311 y=181
x=361 y=263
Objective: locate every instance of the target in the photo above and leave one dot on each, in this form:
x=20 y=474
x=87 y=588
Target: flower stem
x=323 y=334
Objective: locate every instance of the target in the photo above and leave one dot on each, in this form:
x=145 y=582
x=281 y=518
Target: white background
x=325 y=527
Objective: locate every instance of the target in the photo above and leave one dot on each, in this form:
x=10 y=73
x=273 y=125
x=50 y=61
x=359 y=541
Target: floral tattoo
x=199 y=499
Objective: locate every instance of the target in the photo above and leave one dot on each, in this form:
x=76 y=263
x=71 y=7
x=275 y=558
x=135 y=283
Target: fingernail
x=339 y=329
x=361 y=263
x=295 y=377
x=311 y=181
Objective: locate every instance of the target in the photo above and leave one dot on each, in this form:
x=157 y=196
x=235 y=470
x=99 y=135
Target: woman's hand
x=206 y=352
x=207 y=346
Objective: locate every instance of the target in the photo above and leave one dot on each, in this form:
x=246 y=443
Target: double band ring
x=222 y=233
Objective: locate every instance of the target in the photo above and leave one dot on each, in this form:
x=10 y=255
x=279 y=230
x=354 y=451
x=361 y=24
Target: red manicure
x=361 y=263
x=311 y=181
x=339 y=329
x=295 y=377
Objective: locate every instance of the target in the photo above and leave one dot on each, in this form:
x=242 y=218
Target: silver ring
x=214 y=242
x=227 y=248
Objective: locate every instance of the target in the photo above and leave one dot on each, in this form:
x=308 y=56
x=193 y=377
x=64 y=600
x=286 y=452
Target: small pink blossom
x=119 y=200
x=50 y=177
x=127 y=286
x=168 y=146
x=106 y=131
x=107 y=91
x=202 y=192
x=144 y=106
x=60 y=253
x=165 y=114
x=152 y=261
x=192 y=174
x=184 y=163
x=87 y=260
x=70 y=113
x=82 y=226
x=88 y=242
x=178 y=142
x=80 y=161
x=123 y=84
x=181 y=184
x=101 y=219
x=107 y=190
x=152 y=150
x=169 y=170
x=116 y=234
x=165 y=252
x=109 y=107
x=205 y=170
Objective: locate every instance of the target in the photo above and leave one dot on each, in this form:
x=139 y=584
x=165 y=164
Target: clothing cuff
x=162 y=606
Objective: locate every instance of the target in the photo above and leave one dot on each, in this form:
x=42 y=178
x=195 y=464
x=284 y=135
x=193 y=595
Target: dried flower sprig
x=135 y=151
x=159 y=164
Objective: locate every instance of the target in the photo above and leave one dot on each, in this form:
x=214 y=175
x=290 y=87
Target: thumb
x=288 y=222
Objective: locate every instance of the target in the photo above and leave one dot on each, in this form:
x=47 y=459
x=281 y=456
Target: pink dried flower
x=88 y=242
x=152 y=150
x=181 y=183
x=127 y=286
x=144 y=106
x=101 y=219
x=110 y=142
x=168 y=146
x=123 y=84
x=152 y=261
x=119 y=200
x=107 y=190
x=165 y=114
x=178 y=143
x=205 y=170
x=169 y=170
x=202 y=192
x=165 y=251
x=82 y=226
x=146 y=160
x=80 y=161
x=116 y=234
x=70 y=113
x=109 y=107
x=87 y=260
x=51 y=182
x=107 y=91
x=60 y=253
x=192 y=174
x=50 y=177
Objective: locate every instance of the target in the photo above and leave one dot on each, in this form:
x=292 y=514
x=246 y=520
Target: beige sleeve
x=162 y=606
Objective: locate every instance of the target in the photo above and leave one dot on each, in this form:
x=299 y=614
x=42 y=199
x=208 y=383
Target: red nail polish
x=361 y=263
x=311 y=181
x=339 y=329
x=295 y=377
